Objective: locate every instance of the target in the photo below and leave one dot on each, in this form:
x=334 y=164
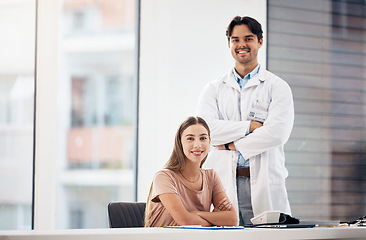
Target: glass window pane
x=17 y=48
x=98 y=92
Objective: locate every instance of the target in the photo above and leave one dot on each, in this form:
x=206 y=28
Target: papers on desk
x=285 y=226
x=205 y=228
x=302 y=224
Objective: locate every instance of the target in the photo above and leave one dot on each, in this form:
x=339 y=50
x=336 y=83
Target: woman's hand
x=223 y=205
x=173 y=223
x=226 y=216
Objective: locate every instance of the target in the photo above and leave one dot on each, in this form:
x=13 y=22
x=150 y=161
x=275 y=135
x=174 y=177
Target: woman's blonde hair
x=177 y=158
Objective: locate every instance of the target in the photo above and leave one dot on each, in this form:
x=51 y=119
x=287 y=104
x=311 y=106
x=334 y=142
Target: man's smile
x=243 y=51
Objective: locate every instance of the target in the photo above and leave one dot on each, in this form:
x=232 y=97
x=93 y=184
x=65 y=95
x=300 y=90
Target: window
x=17 y=47
x=98 y=91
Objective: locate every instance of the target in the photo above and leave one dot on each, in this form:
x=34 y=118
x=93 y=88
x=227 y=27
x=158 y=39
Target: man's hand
x=254 y=125
x=222 y=147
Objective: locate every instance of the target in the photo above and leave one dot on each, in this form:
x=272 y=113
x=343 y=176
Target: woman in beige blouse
x=182 y=192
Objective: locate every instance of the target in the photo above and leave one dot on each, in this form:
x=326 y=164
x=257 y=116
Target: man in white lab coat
x=250 y=113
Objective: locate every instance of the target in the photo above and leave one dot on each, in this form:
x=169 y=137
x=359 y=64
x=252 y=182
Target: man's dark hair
x=253 y=25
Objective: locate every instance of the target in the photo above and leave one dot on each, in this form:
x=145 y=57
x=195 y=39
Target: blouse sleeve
x=218 y=187
x=162 y=183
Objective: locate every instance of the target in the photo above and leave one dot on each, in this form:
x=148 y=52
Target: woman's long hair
x=177 y=158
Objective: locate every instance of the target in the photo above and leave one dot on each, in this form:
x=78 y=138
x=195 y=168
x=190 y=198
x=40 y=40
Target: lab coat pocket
x=261 y=105
x=259 y=111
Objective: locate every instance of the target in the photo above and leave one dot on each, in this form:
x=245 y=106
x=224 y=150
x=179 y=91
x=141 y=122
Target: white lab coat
x=225 y=108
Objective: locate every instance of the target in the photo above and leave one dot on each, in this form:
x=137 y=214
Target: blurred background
x=129 y=72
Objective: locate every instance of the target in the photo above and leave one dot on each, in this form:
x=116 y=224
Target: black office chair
x=126 y=214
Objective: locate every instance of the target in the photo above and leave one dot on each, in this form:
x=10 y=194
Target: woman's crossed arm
x=223 y=215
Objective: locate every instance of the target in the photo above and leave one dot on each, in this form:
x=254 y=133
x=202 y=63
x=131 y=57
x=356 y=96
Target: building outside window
x=17 y=64
x=97 y=88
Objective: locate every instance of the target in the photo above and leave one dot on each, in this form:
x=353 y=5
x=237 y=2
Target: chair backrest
x=126 y=214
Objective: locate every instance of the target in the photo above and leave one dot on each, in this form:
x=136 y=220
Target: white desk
x=187 y=234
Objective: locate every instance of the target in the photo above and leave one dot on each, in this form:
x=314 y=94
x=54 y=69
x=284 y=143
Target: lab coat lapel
x=230 y=81
x=257 y=79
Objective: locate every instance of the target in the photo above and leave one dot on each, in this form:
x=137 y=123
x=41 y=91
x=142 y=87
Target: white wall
x=182 y=47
